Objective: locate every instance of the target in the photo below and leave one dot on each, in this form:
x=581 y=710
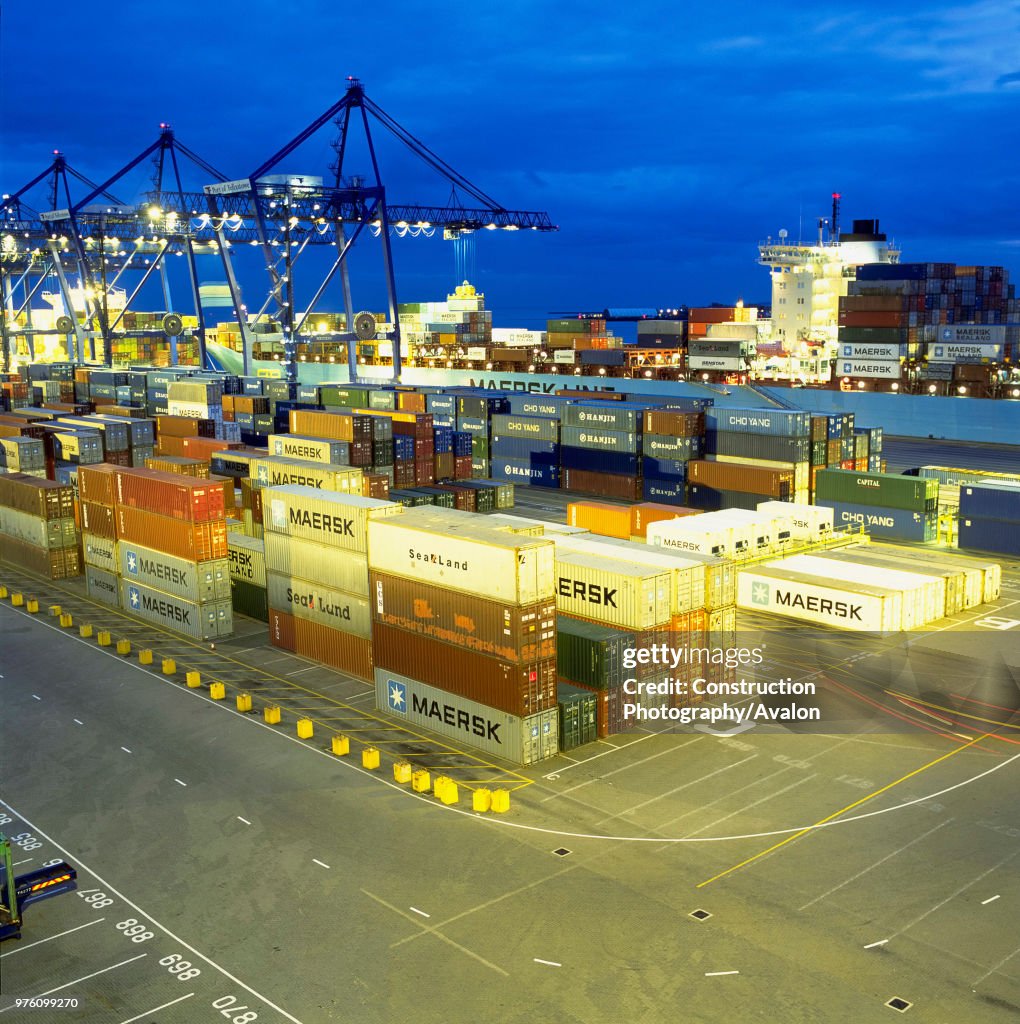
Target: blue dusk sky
x=665 y=142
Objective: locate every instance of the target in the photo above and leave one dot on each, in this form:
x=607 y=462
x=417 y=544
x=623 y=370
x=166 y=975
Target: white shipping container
x=42 y=533
x=564 y=355
x=870 y=368
x=194 y=581
x=478 y=560
x=982 y=580
x=514 y=522
x=335 y=520
x=817 y=599
x=279 y=472
x=309 y=449
x=247 y=557
x=716 y=363
x=198 y=410
x=767 y=531
x=861 y=352
x=690 y=534
x=102 y=585
x=521 y=741
x=805 y=522
x=315 y=602
x=870 y=554
x=513 y=337
x=307 y=560
x=100 y=552
x=613 y=591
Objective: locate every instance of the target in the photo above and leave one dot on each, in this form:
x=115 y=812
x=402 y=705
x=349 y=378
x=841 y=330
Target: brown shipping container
x=375 y=485
x=885 y=303
x=819 y=428
x=346 y=653
x=444 y=466
x=647 y=512
x=513 y=632
x=184 y=426
x=197 y=542
x=674 y=424
x=281 y=630
x=739 y=476
x=38 y=560
x=868 y=318
x=520 y=689
x=229 y=495
x=170 y=494
x=178 y=464
x=608 y=485
x=602 y=519
x=98 y=519
x=204 y=448
x=36 y=496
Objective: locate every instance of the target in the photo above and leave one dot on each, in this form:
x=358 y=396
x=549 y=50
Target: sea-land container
x=521 y=740
x=521 y=689
x=805 y=522
x=991 y=499
x=100 y=552
x=610 y=590
x=335 y=520
x=320 y=603
x=820 y=600
x=310 y=449
x=247 y=558
x=102 y=585
x=894 y=523
x=480 y=560
x=208 y=621
x=884 y=490
x=496 y=628
x=194 y=581
x=781 y=422
x=196 y=542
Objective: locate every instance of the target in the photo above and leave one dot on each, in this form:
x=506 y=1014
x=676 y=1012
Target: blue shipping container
x=602 y=357
x=784 y=422
x=669 y=469
x=593 y=460
x=520 y=472
x=461 y=442
x=473 y=424
x=998 y=535
x=895 y=523
x=669 y=492
x=990 y=501
x=442 y=439
x=403 y=447
x=710 y=499
x=544 y=453
x=441 y=403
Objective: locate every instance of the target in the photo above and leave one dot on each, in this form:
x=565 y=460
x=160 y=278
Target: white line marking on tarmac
x=82 y=866
x=719 y=974
x=888 y=856
x=548 y=963
x=422 y=912
x=595 y=757
x=28 y=861
x=78 y=981
x=36 y=697
x=872 y=945
x=179 y=783
x=764 y=799
x=992 y=970
x=78 y=721
x=300 y=670
x=125 y=749
x=245 y=820
x=48 y=938
x=156 y=1009
x=319 y=862
x=991 y=899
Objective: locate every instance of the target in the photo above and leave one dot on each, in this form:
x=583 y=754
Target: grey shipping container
x=207 y=621
x=783 y=422
x=197 y=582
x=102 y=585
x=602 y=439
x=774 y=447
x=539 y=428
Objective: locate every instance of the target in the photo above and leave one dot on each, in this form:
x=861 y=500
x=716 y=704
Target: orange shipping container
x=342 y=651
x=601 y=518
x=197 y=542
x=97 y=483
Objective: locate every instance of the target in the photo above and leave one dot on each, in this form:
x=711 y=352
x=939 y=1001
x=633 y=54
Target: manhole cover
x=700 y=915
x=561 y=852
x=899 y=1004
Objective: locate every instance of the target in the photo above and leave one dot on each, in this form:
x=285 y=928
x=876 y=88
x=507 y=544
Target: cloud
x=1011 y=79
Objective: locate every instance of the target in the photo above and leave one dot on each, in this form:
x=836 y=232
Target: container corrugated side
x=499 y=629
x=591 y=654
x=477 y=560
x=289 y=556
x=279 y=472
x=805 y=522
x=984 y=578
x=521 y=689
x=692 y=535
x=43 y=533
x=194 y=581
x=102 y=585
x=248 y=599
x=884 y=490
x=319 y=603
x=759 y=421
x=309 y=449
x=193 y=541
x=56 y=563
x=334 y=520
x=342 y=651
x=247 y=557
x=613 y=591
x=894 y=523
x=100 y=552
x=521 y=740
x=600 y=518
x=998 y=535
x=991 y=499
x=207 y=621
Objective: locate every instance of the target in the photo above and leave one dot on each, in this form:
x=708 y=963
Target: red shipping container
x=424 y=471
x=462 y=467
x=342 y=651
x=98 y=483
x=170 y=494
x=281 y=630
x=606 y=485
x=205 y=447
x=98 y=519
x=465 y=499
x=197 y=542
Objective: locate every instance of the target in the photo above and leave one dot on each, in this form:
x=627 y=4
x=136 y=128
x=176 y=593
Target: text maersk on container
x=475 y=725
x=821 y=605
x=337 y=525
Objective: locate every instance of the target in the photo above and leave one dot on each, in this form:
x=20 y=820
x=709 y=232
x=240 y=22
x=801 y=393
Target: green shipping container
x=873 y=335
x=882 y=490
x=568 y=326
x=591 y=654
x=247 y=599
x=342 y=397
x=577 y=716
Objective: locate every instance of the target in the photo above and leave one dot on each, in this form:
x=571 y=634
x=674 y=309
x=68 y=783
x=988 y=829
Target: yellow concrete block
x=421 y=781
x=193 y=680
x=145 y=656
x=32 y=605
x=481 y=800
x=244 y=702
x=65 y=620
x=305 y=728
x=341 y=745
x=450 y=794
x=370 y=758
x=85 y=631
x=439 y=785
x=55 y=610
x=169 y=666
x=17 y=600
x=4 y=592
x=124 y=647
x=402 y=771
x=271 y=714
x=103 y=638
x=500 y=801
x=217 y=691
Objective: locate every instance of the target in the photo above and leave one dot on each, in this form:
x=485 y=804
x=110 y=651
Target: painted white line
x=19 y=949
x=422 y=912
x=82 y=866
x=1000 y=964
x=357 y=696
x=991 y=899
x=764 y=799
x=888 y=856
x=26 y=861
x=78 y=721
x=245 y=820
x=36 y=697
x=125 y=749
x=872 y=945
x=78 y=981
x=595 y=757
x=319 y=862
x=548 y=963
x=179 y=783
x=719 y=974
x=156 y=1009
x=300 y=670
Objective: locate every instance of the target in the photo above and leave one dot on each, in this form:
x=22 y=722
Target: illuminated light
x=704 y=376
x=490 y=227
x=602 y=371
x=894 y=386
x=449 y=364
x=961 y=390
x=577 y=371
x=648 y=373
x=931 y=389
x=861 y=384
x=1015 y=392
x=488 y=366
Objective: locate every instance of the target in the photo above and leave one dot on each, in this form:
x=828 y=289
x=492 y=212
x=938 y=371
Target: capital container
x=193 y=581
x=891 y=523
x=197 y=542
x=805 y=522
x=612 y=590
x=102 y=585
x=334 y=520
x=208 y=621
x=317 y=602
x=780 y=422
x=883 y=490
x=100 y=552
x=499 y=629
x=521 y=740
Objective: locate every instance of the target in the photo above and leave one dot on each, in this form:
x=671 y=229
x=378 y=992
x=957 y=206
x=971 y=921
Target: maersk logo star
x=134 y=598
x=132 y=563
x=277 y=447
x=759 y=593
x=398 y=696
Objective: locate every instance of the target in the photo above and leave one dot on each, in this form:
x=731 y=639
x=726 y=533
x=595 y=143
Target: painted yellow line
x=836 y=814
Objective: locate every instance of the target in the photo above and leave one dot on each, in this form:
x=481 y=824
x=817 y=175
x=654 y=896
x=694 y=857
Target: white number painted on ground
x=995 y=622
x=1005 y=830
x=791 y=762
x=227 y=1005
x=52 y=863
x=97 y=899
x=5 y=819
x=134 y=930
x=857 y=783
x=735 y=744
x=26 y=841
x=179 y=967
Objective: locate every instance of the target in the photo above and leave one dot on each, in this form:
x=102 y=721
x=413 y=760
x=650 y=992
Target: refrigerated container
x=612 y=590
x=805 y=522
x=247 y=558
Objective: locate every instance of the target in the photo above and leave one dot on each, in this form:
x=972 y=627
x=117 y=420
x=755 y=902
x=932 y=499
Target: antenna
x=834 y=235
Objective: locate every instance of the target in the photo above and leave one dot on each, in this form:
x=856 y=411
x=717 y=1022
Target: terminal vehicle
x=16 y=893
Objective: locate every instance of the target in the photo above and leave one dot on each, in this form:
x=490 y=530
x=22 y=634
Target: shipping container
x=600 y=518
x=335 y=520
x=317 y=602
x=885 y=490
x=280 y=472
x=998 y=535
x=100 y=552
x=624 y=416
x=671 y=423
x=55 y=563
x=170 y=494
x=525 y=471
x=577 y=714
x=681 y=449
x=197 y=582
x=247 y=558
x=43 y=533
x=309 y=449
x=666 y=491
x=99 y=520
x=44 y=498
x=102 y=585
x=894 y=523
x=342 y=651
x=591 y=654
x=991 y=499
x=606 y=485
x=645 y=513
x=209 y=621
x=773 y=447
x=735 y=476
x=521 y=689
x=249 y=599
x=613 y=591
x=782 y=422
x=602 y=439
x=806 y=522
x=509 y=631
x=521 y=740
x=691 y=534
x=540 y=428
x=197 y=542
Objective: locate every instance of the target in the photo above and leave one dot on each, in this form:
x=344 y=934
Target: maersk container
x=885 y=490
x=335 y=520
x=991 y=499
x=102 y=585
x=545 y=453
x=999 y=535
x=521 y=740
x=196 y=582
x=689 y=534
x=247 y=558
x=613 y=591
x=768 y=532
x=100 y=552
x=594 y=460
x=476 y=559
x=782 y=422
x=805 y=522
x=894 y=523
x=854 y=607
x=280 y=472
x=310 y=449
x=208 y=621
x=22 y=453
x=602 y=439
x=773 y=448
x=530 y=472
x=682 y=449
x=720 y=576
x=625 y=416
x=317 y=602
